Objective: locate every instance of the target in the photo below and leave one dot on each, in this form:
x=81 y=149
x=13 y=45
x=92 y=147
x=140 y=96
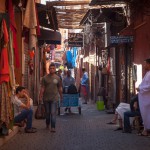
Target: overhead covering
x=43 y=11
x=49 y=37
x=104 y=15
x=105 y=2
x=69 y=13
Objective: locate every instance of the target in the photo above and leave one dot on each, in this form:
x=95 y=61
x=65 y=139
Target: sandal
x=119 y=128
x=141 y=134
x=53 y=130
x=30 y=130
x=111 y=123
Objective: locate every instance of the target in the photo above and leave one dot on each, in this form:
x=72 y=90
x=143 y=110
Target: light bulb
x=48 y=21
x=20 y=4
x=46 y=16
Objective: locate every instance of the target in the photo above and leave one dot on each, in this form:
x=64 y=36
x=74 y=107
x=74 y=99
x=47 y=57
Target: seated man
x=120 y=110
x=135 y=111
x=24 y=100
x=23 y=111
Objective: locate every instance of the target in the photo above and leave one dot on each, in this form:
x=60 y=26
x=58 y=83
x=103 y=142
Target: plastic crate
x=71 y=100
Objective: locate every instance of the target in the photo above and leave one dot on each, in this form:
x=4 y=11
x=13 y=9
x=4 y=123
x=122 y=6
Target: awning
x=49 y=37
x=43 y=11
x=106 y=2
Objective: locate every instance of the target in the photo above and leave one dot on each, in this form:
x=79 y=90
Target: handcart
x=70 y=100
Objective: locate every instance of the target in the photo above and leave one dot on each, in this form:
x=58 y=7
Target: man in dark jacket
x=135 y=111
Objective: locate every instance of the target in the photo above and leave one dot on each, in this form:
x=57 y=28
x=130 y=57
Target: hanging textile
x=14 y=31
x=4 y=64
x=6 y=114
x=69 y=59
x=11 y=62
x=30 y=22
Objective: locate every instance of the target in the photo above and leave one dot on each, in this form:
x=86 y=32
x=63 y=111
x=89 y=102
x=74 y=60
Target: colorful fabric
x=14 y=31
x=6 y=113
x=4 y=64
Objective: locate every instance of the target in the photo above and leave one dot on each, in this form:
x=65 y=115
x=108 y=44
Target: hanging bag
x=40 y=112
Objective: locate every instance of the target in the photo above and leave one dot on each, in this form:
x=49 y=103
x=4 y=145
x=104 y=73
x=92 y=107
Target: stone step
x=12 y=132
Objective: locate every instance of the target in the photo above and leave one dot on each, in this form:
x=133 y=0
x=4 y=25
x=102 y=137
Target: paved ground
x=88 y=131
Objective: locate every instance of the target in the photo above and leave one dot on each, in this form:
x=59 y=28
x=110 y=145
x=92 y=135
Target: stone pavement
x=88 y=131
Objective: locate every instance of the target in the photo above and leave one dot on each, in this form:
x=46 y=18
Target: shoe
x=119 y=128
x=66 y=109
x=53 y=130
x=126 y=131
x=30 y=130
x=84 y=103
x=110 y=123
x=47 y=127
x=141 y=134
x=69 y=110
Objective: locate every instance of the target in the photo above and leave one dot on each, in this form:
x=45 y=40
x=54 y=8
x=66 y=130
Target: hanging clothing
x=69 y=59
x=11 y=63
x=6 y=114
x=144 y=100
x=14 y=31
x=4 y=64
x=31 y=22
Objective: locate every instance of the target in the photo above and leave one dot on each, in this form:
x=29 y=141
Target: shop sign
x=75 y=39
x=121 y=39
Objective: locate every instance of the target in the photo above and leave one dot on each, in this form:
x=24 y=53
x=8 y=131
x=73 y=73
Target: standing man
x=84 y=85
x=51 y=88
x=144 y=98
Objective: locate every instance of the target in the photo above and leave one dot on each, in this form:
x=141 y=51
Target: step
x=12 y=132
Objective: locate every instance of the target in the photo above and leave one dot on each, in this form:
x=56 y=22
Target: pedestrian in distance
x=84 y=86
x=68 y=81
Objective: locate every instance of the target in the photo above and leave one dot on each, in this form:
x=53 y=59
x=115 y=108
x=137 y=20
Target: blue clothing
x=25 y=114
x=50 y=108
x=85 y=78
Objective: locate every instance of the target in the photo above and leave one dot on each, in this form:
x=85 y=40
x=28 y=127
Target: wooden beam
x=69 y=23
x=71 y=19
x=71 y=27
x=70 y=13
x=67 y=3
x=71 y=10
x=68 y=17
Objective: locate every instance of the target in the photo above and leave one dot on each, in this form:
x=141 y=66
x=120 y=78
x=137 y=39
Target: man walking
x=144 y=98
x=51 y=88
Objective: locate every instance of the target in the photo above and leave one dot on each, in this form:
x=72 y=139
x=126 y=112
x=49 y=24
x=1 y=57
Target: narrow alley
x=87 y=131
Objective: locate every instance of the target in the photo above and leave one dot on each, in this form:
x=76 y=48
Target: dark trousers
x=127 y=115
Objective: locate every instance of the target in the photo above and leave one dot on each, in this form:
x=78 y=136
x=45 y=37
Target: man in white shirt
x=22 y=110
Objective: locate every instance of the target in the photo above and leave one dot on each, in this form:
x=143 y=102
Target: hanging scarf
x=4 y=64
